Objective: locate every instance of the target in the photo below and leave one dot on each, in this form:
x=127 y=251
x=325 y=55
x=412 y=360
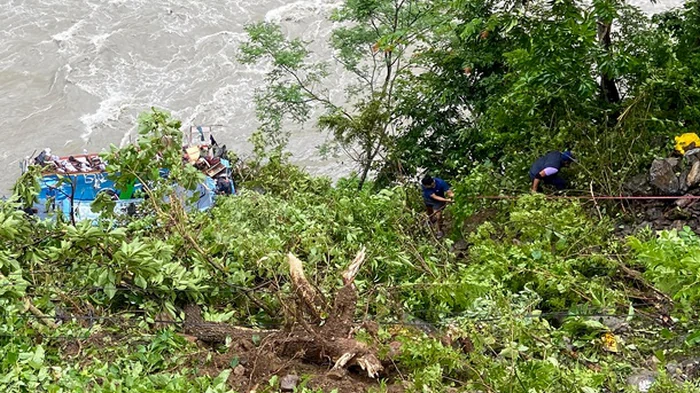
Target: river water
x=75 y=74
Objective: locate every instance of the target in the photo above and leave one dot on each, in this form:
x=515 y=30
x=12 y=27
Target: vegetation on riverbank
x=544 y=297
x=524 y=295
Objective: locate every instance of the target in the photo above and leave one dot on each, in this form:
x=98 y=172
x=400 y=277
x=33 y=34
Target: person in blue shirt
x=436 y=195
x=546 y=169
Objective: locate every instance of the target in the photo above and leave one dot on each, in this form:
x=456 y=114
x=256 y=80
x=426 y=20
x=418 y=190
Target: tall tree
x=373 y=46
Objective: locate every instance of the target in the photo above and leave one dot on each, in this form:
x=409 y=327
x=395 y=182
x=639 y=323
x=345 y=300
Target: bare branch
x=306 y=292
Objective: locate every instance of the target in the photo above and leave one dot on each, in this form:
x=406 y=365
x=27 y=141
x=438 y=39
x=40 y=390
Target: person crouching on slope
x=546 y=169
x=436 y=195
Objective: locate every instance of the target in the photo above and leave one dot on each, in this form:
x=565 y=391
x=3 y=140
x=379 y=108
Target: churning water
x=75 y=74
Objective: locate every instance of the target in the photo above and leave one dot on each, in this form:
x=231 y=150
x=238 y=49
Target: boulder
x=642 y=380
x=693 y=177
x=638 y=185
x=289 y=382
x=663 y=177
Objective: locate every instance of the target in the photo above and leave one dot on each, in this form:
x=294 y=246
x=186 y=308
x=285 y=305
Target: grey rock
x=678 y=225
x=687 y=370
x=653 y=214
x=663 y=177
x=643 y=225
x=239 y=370
x=638 y=185
x=674 y=161
x=684 y=202
x=691 y=368
x=642 y=380
x=460 y=245
x=615 y=324
x=289 y=382
x=624 y=230
x=674 y=369
x=677 y=214
x=682 y=181
x=692 y=155
x=693 y=177
x=662 y=224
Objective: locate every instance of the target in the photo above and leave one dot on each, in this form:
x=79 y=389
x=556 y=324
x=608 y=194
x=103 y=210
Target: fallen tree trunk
x=215 y=332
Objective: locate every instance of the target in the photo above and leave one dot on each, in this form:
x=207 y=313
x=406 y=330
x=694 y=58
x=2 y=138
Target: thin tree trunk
x=368 y=165
x=363 y=176
x=607 y=83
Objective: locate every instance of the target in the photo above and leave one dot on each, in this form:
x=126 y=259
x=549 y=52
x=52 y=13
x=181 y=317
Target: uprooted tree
x=321 y=331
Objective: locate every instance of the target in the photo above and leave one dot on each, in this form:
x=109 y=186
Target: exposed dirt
x=254 y=370
x=327 y=354
x=473 y=222
x=281 y=354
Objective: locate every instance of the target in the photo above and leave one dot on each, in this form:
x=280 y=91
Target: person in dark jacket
x=546 y=169
x=223 y=186
x=436 y=195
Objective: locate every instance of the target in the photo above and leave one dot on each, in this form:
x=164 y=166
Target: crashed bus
x=70 y=184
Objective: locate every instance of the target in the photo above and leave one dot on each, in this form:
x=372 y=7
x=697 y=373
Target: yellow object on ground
x=687 y=141
x=610 y=342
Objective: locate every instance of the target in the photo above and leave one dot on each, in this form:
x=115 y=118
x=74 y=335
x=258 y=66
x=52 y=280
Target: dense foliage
x=525 y=295
x=536 y=301
x=475 y=81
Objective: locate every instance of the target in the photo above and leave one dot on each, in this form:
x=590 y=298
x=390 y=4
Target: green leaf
x=140 y=281
x=37 y=359
x=110 y=291
x=693 y=338
x=11 y=357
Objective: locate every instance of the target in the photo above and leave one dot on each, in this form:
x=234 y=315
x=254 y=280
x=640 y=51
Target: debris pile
x=674 y=176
